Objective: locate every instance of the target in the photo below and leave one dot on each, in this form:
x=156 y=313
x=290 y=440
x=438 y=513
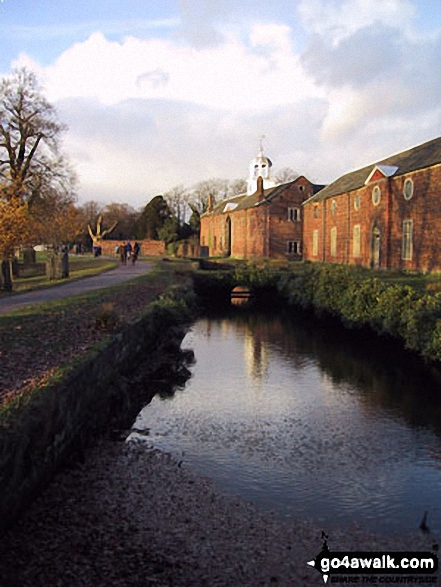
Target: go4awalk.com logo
x=405 y=568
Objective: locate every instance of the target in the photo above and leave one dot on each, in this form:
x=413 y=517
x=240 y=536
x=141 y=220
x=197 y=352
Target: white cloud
x=338 y=19
x=373 y=69
x=228 y=76
x=148 y=114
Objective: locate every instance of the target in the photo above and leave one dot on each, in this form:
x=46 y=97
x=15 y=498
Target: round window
x=376 y=195
x=408 y=189
x=357 y=201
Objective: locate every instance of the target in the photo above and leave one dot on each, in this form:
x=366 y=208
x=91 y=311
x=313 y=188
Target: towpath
x=115 y=276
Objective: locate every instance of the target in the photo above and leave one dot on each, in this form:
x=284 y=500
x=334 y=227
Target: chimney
x=260 y=188
x=210 y=203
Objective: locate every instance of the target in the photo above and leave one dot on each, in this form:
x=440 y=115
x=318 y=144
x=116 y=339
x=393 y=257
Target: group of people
x=128 y=253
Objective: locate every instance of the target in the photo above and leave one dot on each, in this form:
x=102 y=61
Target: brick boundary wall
x=148 y=247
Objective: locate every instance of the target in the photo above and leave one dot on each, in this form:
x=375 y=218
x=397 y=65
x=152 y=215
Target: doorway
x=375 y=248
x=228 y=237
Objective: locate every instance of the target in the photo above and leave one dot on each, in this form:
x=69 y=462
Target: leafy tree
x=169 y=231
x=14 y=223
x=66 y=223
x=195 y=221
x=126 y=217
x=153 y=218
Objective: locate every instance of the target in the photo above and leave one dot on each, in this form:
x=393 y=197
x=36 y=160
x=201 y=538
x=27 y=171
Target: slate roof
x=244 y=201
x=420 y=157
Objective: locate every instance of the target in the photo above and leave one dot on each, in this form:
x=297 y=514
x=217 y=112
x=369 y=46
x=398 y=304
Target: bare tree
x=237 y=186
x=177 y=199
x=286 y=174
x=215 y=188
x=91 y=210
x=33 y=173
x=29 y=136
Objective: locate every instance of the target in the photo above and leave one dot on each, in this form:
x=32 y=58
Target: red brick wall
x=148 y=247
x=282 y=229
x=260 y=231
x=423 y=209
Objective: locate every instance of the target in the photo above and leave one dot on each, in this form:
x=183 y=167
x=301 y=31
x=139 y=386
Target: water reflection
x=306 y=418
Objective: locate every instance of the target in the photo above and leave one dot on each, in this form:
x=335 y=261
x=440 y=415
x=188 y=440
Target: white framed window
x=376 y=195
x=407 y=244
x=334 y=241
x=315 y=236
x=356 y=241
x=357 y=202
x=333 y=207
x=316 y=211
x=408 y=189
x=294 y=214
x=293 y=247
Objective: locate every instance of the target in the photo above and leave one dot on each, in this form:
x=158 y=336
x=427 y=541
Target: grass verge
x=79 y=267
x=40 y=342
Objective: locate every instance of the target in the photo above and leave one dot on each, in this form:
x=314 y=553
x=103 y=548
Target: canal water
x=306 y=419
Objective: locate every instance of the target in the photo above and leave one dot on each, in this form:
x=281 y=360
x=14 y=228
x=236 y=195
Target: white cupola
x=260 y=166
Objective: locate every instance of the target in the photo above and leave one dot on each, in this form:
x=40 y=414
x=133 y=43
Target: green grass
x=79 y=267
x=45 y=333
x=421 y=282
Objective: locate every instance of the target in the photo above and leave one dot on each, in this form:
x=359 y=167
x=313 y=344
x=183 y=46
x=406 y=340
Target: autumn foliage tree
x=14 y=223
x=37 y=181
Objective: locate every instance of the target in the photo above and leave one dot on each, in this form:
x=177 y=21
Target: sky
x=161 y=93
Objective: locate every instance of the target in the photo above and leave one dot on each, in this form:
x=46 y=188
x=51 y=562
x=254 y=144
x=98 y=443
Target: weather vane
x=261 y=138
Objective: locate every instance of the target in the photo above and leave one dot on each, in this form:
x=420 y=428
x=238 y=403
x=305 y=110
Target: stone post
x=6 y=277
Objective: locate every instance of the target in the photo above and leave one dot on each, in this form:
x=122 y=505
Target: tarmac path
x=115 y=276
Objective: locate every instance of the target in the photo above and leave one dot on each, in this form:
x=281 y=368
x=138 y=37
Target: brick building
x=385 y=215
x=264 y=222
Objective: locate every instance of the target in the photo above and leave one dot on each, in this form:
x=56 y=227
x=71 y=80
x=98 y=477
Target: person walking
x=128 y=250
x=122 y=254
x=135 y=253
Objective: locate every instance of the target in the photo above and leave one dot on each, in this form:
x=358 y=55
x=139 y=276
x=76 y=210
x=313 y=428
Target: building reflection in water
x=286 y=409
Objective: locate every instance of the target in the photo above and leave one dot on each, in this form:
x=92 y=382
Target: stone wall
x=54 y=427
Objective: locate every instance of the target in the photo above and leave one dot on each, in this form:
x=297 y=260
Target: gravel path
x=133 y=517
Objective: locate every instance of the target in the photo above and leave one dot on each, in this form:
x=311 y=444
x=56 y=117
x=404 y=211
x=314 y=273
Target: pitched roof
x=419 y=157
x=244 y=201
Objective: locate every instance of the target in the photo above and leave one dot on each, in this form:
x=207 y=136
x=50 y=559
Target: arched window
x=357 y=202
x=408 y=189
x=334 y=241
x=376 y=195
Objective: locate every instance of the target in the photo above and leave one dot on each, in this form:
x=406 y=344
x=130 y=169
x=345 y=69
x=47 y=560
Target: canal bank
x=133 y=517
x=403 y=306
x=47 y=427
